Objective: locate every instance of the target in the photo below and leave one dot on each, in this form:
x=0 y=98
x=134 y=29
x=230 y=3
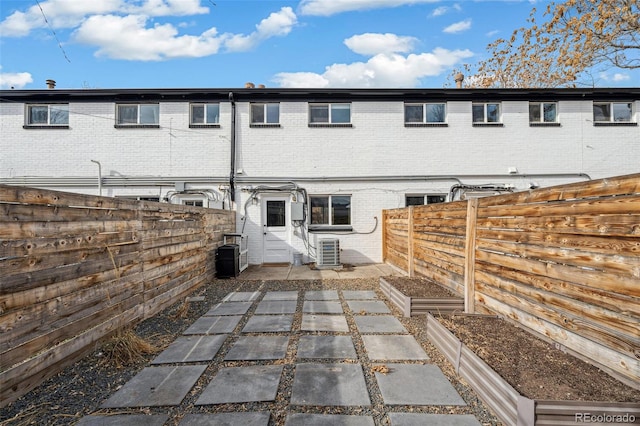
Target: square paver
x=321 y=307
x=276 y=307
x=329 y=384
x=268 y=324
x=242 y=384
x=281 y=295
x=258 y=347
x=359 y=294
x=423 y=419
x=123 y=420
x=214 y=325
x=321 y=295
x=335 y=323
x=326 y=347
x=241 y=296
x=379 y=324
x=304 y=419
x=229 y=308
x=393 y=347
x=191 y=349
x=412 y=384
x=258 y=418
x=156 y=386
x=368 y=306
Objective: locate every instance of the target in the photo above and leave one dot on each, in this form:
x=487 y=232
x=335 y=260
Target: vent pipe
x=51 y=84
x=459 y=78
x=249 y=85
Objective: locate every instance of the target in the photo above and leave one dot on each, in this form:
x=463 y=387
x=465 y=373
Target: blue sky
x=226 y=43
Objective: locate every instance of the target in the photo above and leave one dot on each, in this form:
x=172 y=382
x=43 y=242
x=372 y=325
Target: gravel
x=82 y=387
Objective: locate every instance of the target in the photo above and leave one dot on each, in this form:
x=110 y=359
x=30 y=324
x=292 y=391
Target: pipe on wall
x=232 y=173
x=99 y=176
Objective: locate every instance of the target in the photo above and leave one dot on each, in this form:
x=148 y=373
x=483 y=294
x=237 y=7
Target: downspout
x=232 y=173
x=99 y=176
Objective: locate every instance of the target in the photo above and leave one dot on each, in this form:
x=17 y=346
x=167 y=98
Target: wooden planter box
x=421 y=305
x=507 y=403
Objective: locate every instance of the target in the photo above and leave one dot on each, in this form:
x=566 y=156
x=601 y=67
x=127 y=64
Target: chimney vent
x=51 y=84
x=261 y=86
x=249 y=85
x=459 y=78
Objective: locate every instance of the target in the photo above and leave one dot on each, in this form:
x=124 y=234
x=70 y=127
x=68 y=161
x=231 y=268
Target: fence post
x=410 y=242
x=470 y=257
x=384 y=236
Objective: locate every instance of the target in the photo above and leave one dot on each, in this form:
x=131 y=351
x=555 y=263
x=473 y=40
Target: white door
x=275 y=230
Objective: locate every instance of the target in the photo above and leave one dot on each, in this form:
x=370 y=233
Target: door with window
x=275 y=230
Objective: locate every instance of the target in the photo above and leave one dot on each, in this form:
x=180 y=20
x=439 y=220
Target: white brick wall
x=377 y=145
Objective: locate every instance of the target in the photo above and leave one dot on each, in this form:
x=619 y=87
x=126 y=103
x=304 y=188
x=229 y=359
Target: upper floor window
x=330 y=210
x=543 y=112
x=332 y=114
x=143 y=115
x=612 y=112
x=420 y=200
x=205 y=115
x=265 y=114
x=430 y=113
x=486 y=113
x=54 y=115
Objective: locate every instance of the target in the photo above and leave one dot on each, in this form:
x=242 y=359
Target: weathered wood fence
x=563 y=261
x=74 y=268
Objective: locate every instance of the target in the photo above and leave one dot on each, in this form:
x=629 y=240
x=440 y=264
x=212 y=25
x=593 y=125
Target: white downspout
x=99 y=176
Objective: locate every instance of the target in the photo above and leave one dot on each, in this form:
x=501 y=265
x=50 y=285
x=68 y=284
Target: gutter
x=232 y=173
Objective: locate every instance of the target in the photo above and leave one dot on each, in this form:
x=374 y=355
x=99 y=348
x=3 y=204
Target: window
x=205 y=115
x=543 y=112
x=330 y=210
x=613 y=113
x=332 y=114
x=140 y=115
x=486 y=113
x=424 y=114
x=420 y=200
x=194 y=203
x=53 y=115
x=265 y=114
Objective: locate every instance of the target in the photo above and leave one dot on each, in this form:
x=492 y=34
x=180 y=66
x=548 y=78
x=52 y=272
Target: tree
x=576 y=36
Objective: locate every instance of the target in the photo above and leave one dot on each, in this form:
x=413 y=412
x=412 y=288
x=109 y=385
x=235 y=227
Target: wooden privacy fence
x=74 y=268
x=563 y=261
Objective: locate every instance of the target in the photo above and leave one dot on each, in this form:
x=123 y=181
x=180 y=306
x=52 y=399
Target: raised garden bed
x=525 y=380
x=415 y=296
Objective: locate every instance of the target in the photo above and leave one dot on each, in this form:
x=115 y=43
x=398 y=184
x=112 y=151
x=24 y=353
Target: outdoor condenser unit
x=328 y=252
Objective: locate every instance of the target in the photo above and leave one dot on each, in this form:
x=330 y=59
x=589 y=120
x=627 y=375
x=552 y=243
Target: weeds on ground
x=124 y=348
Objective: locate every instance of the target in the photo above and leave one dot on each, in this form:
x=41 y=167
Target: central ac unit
x=328 y=253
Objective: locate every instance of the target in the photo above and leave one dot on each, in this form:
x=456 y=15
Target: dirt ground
x=532 y=366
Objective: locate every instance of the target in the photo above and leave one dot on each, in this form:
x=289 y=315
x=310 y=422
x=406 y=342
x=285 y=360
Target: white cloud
x=15 y=80
x=71 y=13
x=492 y=33
x=129 y=38
x=277 y=24
x=443 y=10
x=332 y=7
x=621 y=77
x=371 y=43
x=382 y=70
x=458 y=27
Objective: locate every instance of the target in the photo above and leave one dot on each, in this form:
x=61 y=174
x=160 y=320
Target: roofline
x=311 y=95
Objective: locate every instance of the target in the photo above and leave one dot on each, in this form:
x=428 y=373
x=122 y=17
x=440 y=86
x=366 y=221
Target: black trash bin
x=228 y=261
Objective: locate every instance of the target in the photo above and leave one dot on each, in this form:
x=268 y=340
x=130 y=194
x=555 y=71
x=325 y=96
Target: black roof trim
x=314 y=95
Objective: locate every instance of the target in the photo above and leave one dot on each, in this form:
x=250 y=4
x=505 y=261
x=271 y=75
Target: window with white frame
x=486 y=113
x=138 y=115
x=205 y=114
x=543 y=112
x=265 y=113
x=613 y=112
x=330 y=210
x=427 y=113
x=422 y=199
x=330 y=113
x=194 y=203
x=50 y=115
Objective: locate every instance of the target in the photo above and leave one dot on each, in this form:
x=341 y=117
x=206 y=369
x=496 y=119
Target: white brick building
x=344 y=154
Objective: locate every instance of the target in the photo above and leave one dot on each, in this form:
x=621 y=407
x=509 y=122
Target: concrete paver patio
x=253 y=363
